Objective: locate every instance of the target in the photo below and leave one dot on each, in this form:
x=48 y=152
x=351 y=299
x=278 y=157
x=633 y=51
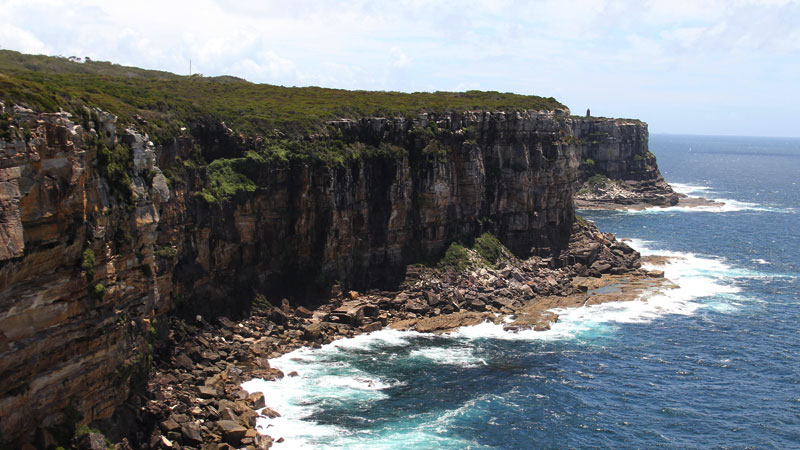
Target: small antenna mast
x=190 y=66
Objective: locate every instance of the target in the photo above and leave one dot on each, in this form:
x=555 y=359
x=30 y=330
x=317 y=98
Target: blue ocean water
x=712 y=364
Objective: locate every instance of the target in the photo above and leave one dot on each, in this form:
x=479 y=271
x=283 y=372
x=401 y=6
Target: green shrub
x=97 y=291
x=456 y=257
x=115 y=165
x=225 y=181
x=489 y=248
x=166 y=251
x=87 y=263
x=597 y=180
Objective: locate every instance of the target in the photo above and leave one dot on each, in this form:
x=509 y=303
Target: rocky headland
x=619 y=172
x=158 y=250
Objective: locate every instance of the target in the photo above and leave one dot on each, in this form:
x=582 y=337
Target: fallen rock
x=269 y=412
x=303 y=312
x=232 y=432
x=256 y=400
x=90 y=441
x=191 y=434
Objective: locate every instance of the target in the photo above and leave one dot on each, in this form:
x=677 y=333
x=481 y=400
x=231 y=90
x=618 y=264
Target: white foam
x=325 y=374
x=688 y=189
x=451 y=355
x=723 y=205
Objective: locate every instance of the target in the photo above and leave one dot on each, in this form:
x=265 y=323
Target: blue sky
x=701 y=67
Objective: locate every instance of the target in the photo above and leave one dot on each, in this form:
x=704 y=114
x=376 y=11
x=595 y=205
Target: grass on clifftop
x=167 y=100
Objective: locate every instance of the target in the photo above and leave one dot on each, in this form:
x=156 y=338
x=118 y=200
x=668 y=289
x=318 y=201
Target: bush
x=456 y=257
x=597 y=181
x=489 y=248
x=166 y=252
x=97 y=291
x=87 y=263
x=115 y=165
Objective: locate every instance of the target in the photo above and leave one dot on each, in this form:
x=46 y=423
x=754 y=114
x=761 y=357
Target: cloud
x=13 y=37
x=399 y=58
x=621 y=53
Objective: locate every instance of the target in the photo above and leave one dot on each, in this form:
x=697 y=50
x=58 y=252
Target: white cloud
x=399 y=58
x=621 y=53
x=12 y=37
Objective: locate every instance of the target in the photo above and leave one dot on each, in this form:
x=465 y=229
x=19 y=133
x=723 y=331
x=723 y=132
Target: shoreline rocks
x=194 y=398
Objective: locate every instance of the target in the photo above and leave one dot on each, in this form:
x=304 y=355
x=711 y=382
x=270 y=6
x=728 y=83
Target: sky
x=695 y=67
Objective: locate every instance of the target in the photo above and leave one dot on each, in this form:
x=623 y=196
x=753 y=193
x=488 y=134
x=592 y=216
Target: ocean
x=714 y=363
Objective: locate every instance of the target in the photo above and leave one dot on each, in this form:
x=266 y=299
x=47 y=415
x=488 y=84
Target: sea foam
x=327 y=376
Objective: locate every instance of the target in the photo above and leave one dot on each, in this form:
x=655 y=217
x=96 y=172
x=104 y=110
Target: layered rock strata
x=104 y=233
x=617 y=168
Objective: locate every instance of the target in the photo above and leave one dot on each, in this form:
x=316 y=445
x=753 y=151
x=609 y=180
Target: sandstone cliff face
x=62 y=344
x=74 y=333
x=619 y=149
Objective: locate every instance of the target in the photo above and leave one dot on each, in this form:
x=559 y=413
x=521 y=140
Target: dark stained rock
x=313 y=331
x=169 y=425
x=207 y=392
x=278 y=316
x=90 y=441
x=417 y=305
x=184 y=361
x=191 y=434
x=303 y=312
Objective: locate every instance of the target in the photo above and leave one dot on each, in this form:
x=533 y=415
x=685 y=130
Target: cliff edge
x=617 y=169
x=129 y=197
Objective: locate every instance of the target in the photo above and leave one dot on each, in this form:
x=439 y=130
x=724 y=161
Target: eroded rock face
x=619 y=150
x=75 y=332
x=64 y=341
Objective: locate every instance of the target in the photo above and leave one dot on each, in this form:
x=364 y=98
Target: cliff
x=101 y=242
x=617 y=167
x=186 y=202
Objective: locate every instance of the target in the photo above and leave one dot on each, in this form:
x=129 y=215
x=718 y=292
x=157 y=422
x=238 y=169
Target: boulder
x=269 y=412
x=372 y=326
x=232 y=432
x=256 y=400
x=303 y=312
x=313 y=332
x=191 y=434
x=90 y=441
x=417 y=305
x=278 y=316
x=169 y=425
x=207 y=391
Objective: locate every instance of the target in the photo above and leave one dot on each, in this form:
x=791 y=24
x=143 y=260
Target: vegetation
x=166 y=252
x=260 y=302
x=597 y=180
x=115 y=165
x=87 y=263
x=456 y=257
x=489 y=248
x=167 y=100
x=97 y=291
x=487 y=251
